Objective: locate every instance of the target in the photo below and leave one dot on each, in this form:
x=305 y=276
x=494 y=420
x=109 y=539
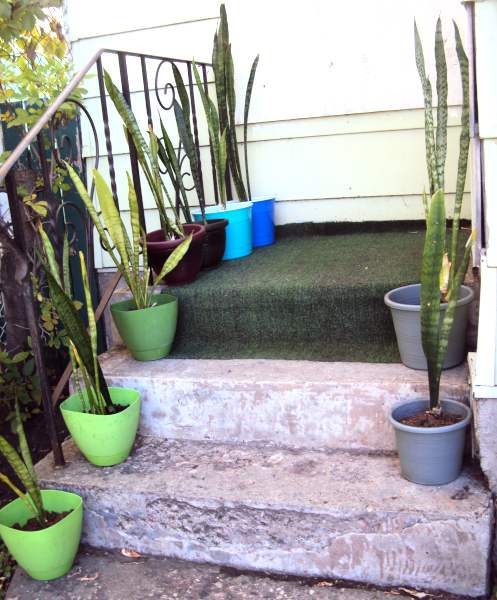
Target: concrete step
x=308 y=512
x=290 y=402
x=145 y=577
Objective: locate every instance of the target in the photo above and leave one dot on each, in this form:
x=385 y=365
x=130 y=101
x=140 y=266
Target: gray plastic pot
x=405 y=306
x=430 y=456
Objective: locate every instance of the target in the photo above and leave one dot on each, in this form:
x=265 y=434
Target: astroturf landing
x=313 y=297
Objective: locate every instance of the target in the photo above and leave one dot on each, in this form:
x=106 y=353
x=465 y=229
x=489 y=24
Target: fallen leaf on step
x=392 y=592
x=323 y=583
x=130 y=553
x=90 y=578
x=415 y=593
x=141 y=562
x=78 y=572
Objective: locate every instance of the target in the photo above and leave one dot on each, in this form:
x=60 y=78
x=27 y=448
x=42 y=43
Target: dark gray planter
x=405 y=306
x=430 y=456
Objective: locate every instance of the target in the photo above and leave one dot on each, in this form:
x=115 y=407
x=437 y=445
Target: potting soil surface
x=307 y=297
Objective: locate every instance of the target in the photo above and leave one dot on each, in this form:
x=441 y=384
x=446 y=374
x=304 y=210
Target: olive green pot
x=105 y=440
x=147 y=333
x=49 y=553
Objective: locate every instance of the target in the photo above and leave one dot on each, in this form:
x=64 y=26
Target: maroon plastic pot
x=188 y=267
x=214 y=243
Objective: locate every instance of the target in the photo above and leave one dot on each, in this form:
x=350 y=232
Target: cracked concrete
x=299 y=403
x=312 y=512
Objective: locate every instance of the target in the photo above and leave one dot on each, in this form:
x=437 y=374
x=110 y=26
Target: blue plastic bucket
x=238 y=232
x=262 y=221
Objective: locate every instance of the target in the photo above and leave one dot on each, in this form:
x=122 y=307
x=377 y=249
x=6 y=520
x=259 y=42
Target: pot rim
x=32 y=533
x=114 y=307
x=230 y=205
x=431 y=430
x=262 y=198
x=417 y=307
x=198 y=234
x=216 y=225
x=133 y=401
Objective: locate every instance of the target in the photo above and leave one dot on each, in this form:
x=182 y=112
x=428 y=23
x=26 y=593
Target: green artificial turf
x=307 y=297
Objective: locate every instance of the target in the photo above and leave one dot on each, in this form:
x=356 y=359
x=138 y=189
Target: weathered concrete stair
x=296 y=403
x=282 y=466
x=329 y=513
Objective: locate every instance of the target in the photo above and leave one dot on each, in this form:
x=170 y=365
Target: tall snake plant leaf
x=176 y=255
x=92 y=324
x=78 y=184
x=26 y=455
x=452 y=303
x=442 y=111
x=49 y=251
x=248 y=96
x=430 y=291
x=23 y=474
x=429 y=127
x=114 y=225
x=187 y=141
x=76 y=330
x=134 y=217
x=221 y=41
x=67 y=288
x=131 y=125
x=232 y=142
x=177 y=173
x=464 y=142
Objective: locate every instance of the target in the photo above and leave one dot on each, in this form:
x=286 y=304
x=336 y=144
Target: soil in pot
x=51 y=517
x=214 y=243
x=159 y=250
x=429 y=419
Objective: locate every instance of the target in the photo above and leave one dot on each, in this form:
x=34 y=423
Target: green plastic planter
x=147 y=333
x=104 y=440
x=50 y=553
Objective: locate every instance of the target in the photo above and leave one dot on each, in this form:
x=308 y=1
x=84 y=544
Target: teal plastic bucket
x=263 y=221
x=239 y=230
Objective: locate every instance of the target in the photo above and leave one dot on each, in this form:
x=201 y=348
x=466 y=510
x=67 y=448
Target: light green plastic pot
x=147 y=333
x=49 y=553
x=104 y=440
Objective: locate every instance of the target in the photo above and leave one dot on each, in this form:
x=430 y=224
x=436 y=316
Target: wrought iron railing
x=56 y=206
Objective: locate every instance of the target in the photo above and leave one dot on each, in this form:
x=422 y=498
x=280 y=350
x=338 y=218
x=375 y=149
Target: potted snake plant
x=430 y=433
x=162 y=242
x=102 y=420
x=404 y=302
x=214 y=242
x=146 y=322
x=41 y=528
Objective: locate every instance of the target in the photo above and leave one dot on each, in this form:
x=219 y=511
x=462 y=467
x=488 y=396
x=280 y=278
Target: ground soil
x=51 y=518
x=428 y=420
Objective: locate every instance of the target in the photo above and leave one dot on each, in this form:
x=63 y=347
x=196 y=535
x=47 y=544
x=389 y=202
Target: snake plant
x=127 y=259
x=224 y=74
x=436 y=143
x=219 y=145
x=182 y=114
x=25 y=471
x=435 y=341
x=148 y=159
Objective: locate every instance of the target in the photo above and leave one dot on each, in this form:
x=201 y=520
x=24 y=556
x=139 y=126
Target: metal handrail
x=50 y=112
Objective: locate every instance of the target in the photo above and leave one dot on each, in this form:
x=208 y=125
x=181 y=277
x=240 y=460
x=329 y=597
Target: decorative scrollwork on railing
x=167 y=87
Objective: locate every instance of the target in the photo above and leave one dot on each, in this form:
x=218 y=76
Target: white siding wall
x=336 y=124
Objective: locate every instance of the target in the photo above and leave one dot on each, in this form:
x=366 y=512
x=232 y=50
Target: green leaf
x=26 y=455
x=75 y=328
x=29 y=367
x=21 y=356
x=430 y=291
x=173 y=260
x=429 y=128
x=464 y=142
x=248 y=96
x=442 y=111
